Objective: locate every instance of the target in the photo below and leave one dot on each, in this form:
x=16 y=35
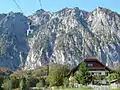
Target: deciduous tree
x=57 y=73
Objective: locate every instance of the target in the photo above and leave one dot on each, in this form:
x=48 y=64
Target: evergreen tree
x=23 y=84
x=83 y=76
x=1 y=80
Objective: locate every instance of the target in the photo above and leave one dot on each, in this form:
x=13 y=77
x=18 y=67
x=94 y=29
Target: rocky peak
x=40 y=11
x=66 y=36
x=40 y=17
x=71 y=12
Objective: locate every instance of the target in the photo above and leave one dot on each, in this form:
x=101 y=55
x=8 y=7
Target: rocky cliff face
x=70 y=35
x=13 y=42
x=65 y=37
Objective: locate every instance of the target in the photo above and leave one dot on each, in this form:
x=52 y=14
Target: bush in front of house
x=113 y=76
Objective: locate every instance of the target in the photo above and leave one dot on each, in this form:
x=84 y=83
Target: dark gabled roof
x=91 y=59
x=94 y=59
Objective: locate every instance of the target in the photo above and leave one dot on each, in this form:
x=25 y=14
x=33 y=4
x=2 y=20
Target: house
x=96 y=68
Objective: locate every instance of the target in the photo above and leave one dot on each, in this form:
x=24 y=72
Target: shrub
x=7 y=85
x=66 y=82
x=15 y=82
x=113 y=76
x=31 y=82
x=41 y=83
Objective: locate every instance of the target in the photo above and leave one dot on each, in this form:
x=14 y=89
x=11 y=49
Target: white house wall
x=98 y=72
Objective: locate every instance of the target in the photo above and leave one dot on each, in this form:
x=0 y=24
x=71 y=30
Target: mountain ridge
x=66 y=36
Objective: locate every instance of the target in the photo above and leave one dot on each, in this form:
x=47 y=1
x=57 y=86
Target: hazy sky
x=30 y=6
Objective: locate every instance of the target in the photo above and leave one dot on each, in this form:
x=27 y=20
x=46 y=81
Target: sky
x=30 y=6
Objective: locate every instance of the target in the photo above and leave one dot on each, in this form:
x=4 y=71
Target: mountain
x=66 y=36
x=13 y=42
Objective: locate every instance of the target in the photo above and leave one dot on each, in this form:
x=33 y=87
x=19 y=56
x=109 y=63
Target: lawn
x=116 y=89
x=82 y=88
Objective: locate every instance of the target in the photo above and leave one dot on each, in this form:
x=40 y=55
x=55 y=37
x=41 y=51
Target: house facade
x=96 y=68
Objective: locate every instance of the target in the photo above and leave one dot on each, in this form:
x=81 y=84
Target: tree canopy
x=57 y=73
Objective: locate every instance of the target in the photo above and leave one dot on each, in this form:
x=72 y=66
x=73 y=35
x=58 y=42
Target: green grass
x=116 y=89
x=82 y=88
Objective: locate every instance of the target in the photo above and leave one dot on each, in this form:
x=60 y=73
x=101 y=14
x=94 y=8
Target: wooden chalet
x=95 y=67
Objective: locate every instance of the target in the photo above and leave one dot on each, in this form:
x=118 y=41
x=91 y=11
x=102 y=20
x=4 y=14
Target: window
x=107 y=73
x=92 y=73
x=90 y=65
x=99 y=73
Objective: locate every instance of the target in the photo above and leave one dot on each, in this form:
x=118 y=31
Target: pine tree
x=83 y=76
x=23 y=84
